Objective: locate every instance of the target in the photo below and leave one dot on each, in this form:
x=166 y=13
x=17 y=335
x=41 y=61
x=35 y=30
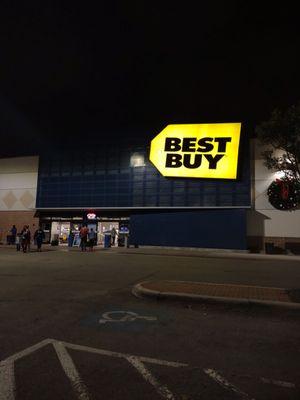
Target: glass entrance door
x=107 y=227
x=60 y=231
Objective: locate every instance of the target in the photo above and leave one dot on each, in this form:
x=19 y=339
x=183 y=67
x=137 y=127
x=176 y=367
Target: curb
x=140 y=292
x=203 y=253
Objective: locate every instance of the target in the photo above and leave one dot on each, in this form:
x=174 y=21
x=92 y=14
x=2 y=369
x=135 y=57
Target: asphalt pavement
x=70 y=328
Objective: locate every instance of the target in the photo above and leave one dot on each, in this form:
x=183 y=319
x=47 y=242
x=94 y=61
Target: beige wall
x=265 y=220
x=18 y=183
x=18 y=218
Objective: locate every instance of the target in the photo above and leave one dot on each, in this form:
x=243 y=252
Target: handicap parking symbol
x=123 y=316
x=116 y=318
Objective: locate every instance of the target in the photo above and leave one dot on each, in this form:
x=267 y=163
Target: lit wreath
x=284 y=194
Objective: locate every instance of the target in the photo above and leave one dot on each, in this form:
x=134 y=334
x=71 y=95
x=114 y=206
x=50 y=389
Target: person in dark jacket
x=113 y=234
x=13 y=233
x=92 y=235
x=39 y=236
x=25 y=238
x=83 y=237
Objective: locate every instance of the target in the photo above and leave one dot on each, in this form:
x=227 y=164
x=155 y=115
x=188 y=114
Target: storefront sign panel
x=197 y=150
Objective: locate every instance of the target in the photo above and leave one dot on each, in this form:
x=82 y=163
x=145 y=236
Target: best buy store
x=190 y=186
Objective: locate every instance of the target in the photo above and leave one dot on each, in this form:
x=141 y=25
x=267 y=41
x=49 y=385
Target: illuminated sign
x=197 y=150
x=91 y=216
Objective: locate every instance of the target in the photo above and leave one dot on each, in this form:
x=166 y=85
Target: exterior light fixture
x=137 y=160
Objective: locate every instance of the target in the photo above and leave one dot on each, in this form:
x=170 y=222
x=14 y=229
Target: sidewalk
x=175 y=252
x=203 y=252
x=202 y=291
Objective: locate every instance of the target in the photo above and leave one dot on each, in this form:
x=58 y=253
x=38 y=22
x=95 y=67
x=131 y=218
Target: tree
x=282 y=133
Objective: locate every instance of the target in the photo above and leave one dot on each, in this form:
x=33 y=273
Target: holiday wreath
x=284 y=194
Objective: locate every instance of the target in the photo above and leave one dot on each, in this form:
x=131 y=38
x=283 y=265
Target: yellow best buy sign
x=197 y=150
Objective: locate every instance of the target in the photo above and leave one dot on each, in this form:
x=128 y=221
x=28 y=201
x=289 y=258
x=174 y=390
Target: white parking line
x=30 y=350
x=224 y=383
x=70 y=370
x=123 y=355
x=7 y=374
x=161 y=389
x=7 y=380
x=284 y=384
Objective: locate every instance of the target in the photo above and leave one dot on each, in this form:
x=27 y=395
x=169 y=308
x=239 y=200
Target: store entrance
x=61 y=231
x=107 y=227
x=121 y=228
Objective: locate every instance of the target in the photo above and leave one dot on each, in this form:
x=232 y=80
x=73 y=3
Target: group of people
x=88 y=238
x=22 y=240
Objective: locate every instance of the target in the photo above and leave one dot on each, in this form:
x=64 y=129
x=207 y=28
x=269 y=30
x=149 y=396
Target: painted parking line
x=8 y=385
x=123 y=355
x=146 y=374
x=283 y=384
x=7 y=375
x=217 y=377
x=70 y=370
x=7 y=380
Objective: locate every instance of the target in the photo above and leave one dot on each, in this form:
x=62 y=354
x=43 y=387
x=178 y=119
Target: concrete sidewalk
x=203 y=252
x=175 y=252
x=202 y=291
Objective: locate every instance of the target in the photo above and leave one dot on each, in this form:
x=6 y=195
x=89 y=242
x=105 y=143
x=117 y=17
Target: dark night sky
x=81 y=70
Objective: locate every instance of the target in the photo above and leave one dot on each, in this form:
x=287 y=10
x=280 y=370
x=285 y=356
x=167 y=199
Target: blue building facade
x=108 y=180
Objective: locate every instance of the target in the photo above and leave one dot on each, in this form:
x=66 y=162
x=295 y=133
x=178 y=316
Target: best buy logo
x=197 y=150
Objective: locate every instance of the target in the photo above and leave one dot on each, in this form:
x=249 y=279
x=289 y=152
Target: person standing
x=29 y=238
x=70 y=239
x=13 y=235
x=39 y=236
x=92 y=239
x=25 y=238
x=18 y=242
x=83 y=237
x=113 y=233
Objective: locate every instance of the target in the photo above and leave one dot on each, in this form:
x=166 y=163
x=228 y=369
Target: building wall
x=105 y=177
x=18 y=186
x=18 y=218
x=264 y=222
x=202 y=228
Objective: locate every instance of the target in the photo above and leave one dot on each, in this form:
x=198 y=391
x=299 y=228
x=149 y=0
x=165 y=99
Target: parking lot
x=71 y=329
x=54 y=369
